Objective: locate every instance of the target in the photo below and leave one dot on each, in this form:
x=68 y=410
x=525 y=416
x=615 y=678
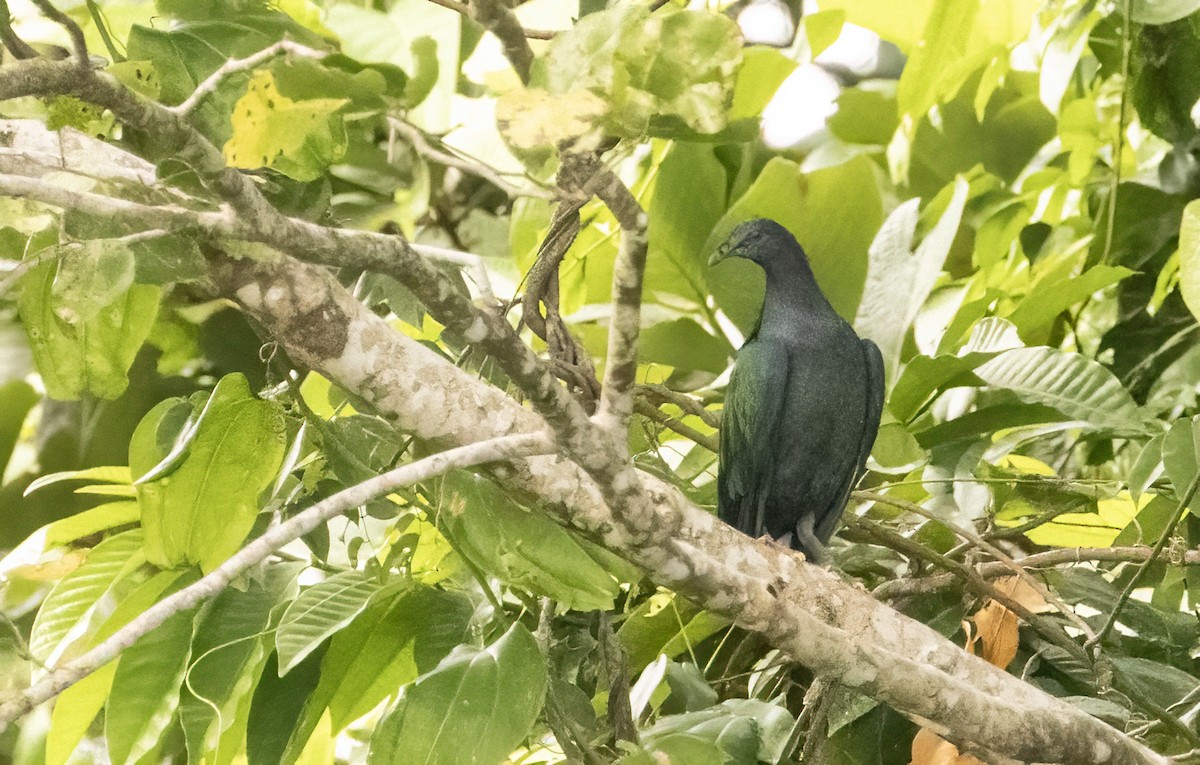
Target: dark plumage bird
x=803 y=404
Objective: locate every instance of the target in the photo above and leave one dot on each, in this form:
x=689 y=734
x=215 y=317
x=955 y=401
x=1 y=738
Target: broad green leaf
x=84 y=355
x=1164 y=69
x=1098 y=529
x=1189 y=257
x=91 y=521
x=1147 y=468
x=677 y=233
x=923 y=376
x=276 y=707
x=74 y=710
x=91 y=276
x=105 y=473
x=17 y=399
x=748 y=730
x=476 y=706
x=665 y=624
x=1072 y=384
x=145 y=689
x=1162 y=11
x=763 y=70
x=320 y=611
x=66 y=615
x=1181 y=453
x=300 y=139
x=228 y=648
x=184 y=55
x=422 y=39
x=833 y=213
x=202 y=511
x=388 y=645
x=1162 y=683
x=683 y=344
x=1049 y=298
x=523 y=548
x=899 y=278
x=657 y=72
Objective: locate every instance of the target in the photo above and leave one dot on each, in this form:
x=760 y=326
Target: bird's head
x=758 y=240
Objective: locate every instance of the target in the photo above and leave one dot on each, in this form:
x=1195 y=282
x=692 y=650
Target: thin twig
x=73 y=29
x=889 y=538
x=898 y=588
x=660 y=394
x=421 y=144
x=1118 y=150
x=1180 y=510
x=233 y=66
x=979 y=541
x=651 y=412
x=9 y=37
x=61 y=678
x=464 y=9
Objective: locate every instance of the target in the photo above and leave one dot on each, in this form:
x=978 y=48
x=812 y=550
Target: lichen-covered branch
x=500 y=21
x=61 y=678
x=837 y=630
x=620 y=366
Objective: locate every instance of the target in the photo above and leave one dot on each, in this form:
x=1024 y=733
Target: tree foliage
x=1012 y=219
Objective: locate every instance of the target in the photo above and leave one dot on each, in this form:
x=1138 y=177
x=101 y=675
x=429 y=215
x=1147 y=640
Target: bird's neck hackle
x=792 y=292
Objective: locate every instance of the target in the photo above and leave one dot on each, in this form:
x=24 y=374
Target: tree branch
x=620 y=367
x=464 y=9
x=837 y=630
x=10 y=39
x=233 y=66
x=73 y=30
x=61 y=678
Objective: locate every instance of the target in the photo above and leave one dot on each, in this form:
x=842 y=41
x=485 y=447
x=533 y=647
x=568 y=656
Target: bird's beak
x=719 y=254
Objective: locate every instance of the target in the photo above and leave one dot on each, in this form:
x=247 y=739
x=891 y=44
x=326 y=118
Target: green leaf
x=84 y=355
x=677 y=233
x=1164 y=68
x=300 y=139
x=1180 y=450
x=1072 y=384
x=388 y=645
x=63 y=620
x=665 y=624
x=145 y=689
x=91 y=276
x=276 y=706
x=523 y=548
x=476 y=706
x=1189 y=257
x=228 y=649
x=658 y=71
x=683 y=344
x=1051 y=297
x=320 y=611
x=748 y=730
x=899 y=278
x=1162 y=11
x=184 y=55
x=74 y=710
x=202 y=510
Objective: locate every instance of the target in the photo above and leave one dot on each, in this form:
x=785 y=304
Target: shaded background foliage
x=1001 y=195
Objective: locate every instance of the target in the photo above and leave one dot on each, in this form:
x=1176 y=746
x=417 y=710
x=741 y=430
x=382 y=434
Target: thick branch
x=620 y=368
x=58 y=680
x=835 y=629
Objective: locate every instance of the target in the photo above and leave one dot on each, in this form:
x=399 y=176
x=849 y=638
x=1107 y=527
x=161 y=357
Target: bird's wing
x=874 y=390
x=749 y=426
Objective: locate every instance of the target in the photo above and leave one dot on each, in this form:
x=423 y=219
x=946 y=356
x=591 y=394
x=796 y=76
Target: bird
x=803 y=404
